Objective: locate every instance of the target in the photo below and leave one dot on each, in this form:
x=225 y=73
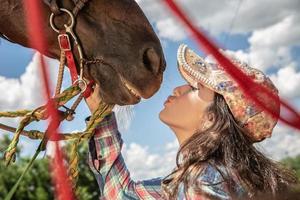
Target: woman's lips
x=167 y=101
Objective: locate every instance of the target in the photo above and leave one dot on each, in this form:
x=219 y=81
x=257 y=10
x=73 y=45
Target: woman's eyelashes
x=193 y=88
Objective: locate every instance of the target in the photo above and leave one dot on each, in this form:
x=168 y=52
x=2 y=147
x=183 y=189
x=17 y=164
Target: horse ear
x=79 y=4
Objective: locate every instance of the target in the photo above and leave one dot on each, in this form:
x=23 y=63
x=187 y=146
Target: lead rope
x=37 y=114
x=60 y=99
x=60 y=76
x=41 y=114
x=102 y=111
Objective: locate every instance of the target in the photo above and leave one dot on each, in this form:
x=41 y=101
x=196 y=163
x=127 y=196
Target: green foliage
x=37 y=184
x=294 y=164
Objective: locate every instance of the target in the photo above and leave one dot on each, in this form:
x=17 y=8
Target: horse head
x=115 y=31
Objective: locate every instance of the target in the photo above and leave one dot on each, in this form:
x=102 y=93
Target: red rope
x=37 y=40
x=253 y=90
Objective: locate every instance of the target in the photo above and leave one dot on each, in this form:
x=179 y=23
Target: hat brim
x=194 y=69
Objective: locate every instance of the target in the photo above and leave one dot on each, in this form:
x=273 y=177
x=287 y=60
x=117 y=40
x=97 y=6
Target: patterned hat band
x=194 y=69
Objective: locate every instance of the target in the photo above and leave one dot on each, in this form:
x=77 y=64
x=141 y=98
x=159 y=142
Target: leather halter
x=64 y=38
x=55 y=8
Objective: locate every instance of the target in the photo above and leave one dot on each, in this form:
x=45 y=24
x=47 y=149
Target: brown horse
x=116 y=31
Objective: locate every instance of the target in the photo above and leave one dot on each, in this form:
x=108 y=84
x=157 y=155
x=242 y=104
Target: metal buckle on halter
x=69 y=26
x=82 y=84
x=63 y=46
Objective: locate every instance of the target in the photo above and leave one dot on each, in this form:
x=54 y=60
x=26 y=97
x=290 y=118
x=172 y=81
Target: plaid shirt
x=113 y=177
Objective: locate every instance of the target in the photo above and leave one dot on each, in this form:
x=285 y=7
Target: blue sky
x=14 y=56
x=249 y=39
x=146 y=128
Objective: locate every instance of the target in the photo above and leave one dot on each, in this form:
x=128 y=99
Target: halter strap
x=54 y=7
x=79 y=4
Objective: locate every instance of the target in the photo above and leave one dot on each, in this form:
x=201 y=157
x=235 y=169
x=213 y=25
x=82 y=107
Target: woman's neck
x=182 y=135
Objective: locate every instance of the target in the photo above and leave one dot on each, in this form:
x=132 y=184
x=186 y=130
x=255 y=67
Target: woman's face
x=184 y=110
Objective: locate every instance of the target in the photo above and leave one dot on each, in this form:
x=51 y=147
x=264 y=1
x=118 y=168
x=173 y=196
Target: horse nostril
x=151 y=60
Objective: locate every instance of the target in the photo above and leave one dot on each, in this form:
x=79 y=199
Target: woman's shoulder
x=216 y=181
x=211 y=174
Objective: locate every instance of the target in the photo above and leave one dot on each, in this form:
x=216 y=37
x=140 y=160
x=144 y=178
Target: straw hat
x=257 y=122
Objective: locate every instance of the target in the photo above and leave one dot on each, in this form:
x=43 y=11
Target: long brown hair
x=225 y=145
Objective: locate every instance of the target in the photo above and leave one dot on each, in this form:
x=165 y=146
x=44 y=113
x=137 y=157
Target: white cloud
x=153 y=9
x=145 y=165
x=287 y=80
x=284 y=32
x=169 y=28
x=24 y=92
x=284 y=142
x=271 y=46
x=217 y=17
x=27 y=91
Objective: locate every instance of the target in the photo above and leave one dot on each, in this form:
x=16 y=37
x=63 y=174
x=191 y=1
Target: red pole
x=35 y=24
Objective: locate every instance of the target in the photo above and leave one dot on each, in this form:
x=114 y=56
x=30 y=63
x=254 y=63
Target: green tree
x=293 y=163
x=36 y=184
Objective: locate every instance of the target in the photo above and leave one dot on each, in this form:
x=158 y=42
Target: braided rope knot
x=35 y=134
x=37 y=114
x=41 y=113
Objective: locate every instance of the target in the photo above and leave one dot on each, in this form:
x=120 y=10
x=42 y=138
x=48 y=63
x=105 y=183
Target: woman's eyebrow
x=200 y=84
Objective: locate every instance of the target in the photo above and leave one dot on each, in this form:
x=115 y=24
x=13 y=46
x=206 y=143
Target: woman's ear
x=207 y=121
x=210 y=117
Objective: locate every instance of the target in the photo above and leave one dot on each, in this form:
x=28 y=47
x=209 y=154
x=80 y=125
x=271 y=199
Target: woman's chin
x=163 y=116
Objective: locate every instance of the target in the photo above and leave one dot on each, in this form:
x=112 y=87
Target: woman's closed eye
x=193 y=88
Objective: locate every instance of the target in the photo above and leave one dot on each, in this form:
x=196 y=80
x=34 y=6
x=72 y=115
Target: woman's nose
x=177 y=91
x=180 y=90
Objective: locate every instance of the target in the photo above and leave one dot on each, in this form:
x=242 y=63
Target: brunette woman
x=216 y=127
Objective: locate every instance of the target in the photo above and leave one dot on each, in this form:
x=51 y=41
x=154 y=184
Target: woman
x=216 y=127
